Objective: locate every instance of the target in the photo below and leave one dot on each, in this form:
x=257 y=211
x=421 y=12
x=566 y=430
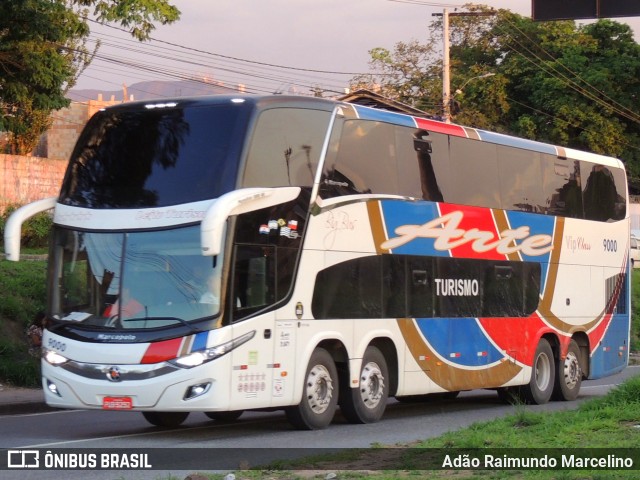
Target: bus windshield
x=155 y=157
x=133 y=280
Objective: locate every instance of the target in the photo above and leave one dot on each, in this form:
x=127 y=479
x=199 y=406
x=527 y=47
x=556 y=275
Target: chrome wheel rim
x=571 y=370
x=371 y=385
x=319 y=389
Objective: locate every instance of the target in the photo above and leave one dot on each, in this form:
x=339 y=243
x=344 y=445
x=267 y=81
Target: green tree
x=557 y=82
x=43 y=51
x=407 y=74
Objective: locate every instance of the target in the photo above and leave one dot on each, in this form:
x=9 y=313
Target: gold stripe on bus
x=187 y=342
x=377 y=226
x=502 y=224
x=450 y=377
x=561 y=153
x=471 y=133
x=544 y=308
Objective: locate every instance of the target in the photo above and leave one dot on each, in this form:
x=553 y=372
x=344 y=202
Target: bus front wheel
x=540 y=388
x=225 y=417
x=568 y=375
x=165 y=419
x=319 y=394
x=366 y=404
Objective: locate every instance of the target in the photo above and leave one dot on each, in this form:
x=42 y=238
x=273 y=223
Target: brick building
x=24 y=179
x=67 y=125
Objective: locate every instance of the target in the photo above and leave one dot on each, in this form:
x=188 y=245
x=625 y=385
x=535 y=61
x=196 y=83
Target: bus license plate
x=117 y=403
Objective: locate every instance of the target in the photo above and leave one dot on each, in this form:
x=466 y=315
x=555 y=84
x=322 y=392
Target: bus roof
x=369 y=113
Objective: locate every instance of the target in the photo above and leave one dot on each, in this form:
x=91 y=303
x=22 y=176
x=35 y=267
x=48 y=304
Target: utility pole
x=446 y=81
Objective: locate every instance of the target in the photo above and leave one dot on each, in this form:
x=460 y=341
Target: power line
x=228 y=57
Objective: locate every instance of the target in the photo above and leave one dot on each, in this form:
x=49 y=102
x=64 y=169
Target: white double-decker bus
x=223 y=254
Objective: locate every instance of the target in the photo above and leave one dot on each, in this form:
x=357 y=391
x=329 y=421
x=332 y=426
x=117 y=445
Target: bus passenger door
x=252 y=292
x=252 y=364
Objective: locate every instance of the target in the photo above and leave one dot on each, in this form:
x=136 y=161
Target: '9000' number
x=610 y=245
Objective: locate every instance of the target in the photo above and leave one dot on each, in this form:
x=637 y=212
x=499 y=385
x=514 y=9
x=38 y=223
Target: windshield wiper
x=154 y=319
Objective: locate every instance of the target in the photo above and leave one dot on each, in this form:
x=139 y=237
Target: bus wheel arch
x=582 y=339
x=367 y=402
x=320 y=393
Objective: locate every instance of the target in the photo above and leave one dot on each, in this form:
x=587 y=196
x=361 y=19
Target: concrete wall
x=26 y=179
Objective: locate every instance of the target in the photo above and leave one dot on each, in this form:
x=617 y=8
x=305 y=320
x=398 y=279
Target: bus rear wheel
x=540 y=387
x=319 y=394
x=568 y=375
x=165 y=419
x=366 y=404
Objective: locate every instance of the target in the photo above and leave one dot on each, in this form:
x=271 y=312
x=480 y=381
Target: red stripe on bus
x=439 y=127
x=502 y=332
x=161 y=351
x=474 y=219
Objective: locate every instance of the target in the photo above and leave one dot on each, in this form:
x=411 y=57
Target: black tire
x=366 y=404
x=225 y=417
x=543 y=373
x=319 y=394
x=165 y=419
x=568 y=375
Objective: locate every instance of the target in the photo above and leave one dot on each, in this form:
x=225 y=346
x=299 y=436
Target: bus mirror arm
x=235 y=203
x=13 y=226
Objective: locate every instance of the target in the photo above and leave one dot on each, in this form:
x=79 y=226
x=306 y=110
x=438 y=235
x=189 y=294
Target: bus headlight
x=203 y=356
x=54 y=358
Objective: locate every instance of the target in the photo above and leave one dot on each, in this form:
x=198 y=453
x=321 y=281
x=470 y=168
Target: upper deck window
x=142 y=157
x=285 y=148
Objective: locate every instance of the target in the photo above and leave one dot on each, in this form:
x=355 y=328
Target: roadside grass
x=635 y=311
x=611 y=422
x=23 y=290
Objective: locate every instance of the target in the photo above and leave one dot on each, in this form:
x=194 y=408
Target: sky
x=286 y=46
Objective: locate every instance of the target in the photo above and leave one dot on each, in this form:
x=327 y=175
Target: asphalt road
x=251 y=438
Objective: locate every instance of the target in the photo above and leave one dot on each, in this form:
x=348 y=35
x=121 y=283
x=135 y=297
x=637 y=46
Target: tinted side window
x=520 y=180
x=362 y=161
x=475 y=173
x=268 y=242
x=561 y=187
x=285 y=148
x=603 y=192
x=398 y=286
x=423 y=164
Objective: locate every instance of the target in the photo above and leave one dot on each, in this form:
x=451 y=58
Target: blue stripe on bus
x=607 y=358
x=538 y=225
x=443 y=334
x=517 y=142
x=384 y=116
x=398 y=213
x=200 y=342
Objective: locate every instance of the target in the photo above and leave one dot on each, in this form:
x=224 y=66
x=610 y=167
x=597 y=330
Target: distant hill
x=154 y=90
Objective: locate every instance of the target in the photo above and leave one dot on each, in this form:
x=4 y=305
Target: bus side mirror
x=235 y=203
x=14 y=225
